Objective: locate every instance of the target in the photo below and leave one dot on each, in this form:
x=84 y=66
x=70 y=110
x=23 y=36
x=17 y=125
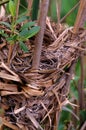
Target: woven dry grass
x=33 y=99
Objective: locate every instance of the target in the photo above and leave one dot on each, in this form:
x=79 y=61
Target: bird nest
x=32 y=99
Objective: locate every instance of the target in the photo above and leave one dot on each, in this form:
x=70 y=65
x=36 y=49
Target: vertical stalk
x=30 y=7
x=58 y=4
x=79 y=16
x=11 y=46
x=80 y=20
x=40 y=35
x=81 y=90
x=81 y=85
x=17 y=3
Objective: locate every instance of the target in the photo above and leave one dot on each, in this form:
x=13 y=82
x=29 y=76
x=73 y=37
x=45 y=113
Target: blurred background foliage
x=66 y=6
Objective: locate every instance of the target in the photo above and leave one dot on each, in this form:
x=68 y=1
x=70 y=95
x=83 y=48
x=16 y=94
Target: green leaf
x=3 y=33
x=35 y=8
x=27 y=25
x=6 y=24
x=25 y=34
x=83 y=114
x=23 y=47
x=12 y=38
x=33 y=31
x=12 y=8
x=21 y=19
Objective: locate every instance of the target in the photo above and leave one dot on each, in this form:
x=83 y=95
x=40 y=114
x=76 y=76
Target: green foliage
x=64 y=119
x=22 y=19
x=52 y=10
x=20 y=35
x=83 y=115
x=35 y=8
x=78 y=69
x=66 y=7
x=25 y=33
x=23 y=46
x=12 y=8
x=6 y=24
x=28 y=25
x=23 y=7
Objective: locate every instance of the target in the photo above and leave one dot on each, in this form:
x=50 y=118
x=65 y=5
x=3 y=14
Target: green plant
x=20 y=35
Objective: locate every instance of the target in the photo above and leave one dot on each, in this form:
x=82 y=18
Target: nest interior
x=31 y=99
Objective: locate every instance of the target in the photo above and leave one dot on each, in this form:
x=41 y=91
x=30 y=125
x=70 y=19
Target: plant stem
x=17 y=3
x=58 y=4
x=81 y=89
x=40 y=35
x=11 y=46
x=79 y=19
x=81 y=85
x=29 y=7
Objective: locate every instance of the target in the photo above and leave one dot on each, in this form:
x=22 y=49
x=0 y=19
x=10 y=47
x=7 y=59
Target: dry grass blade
x=5 y=93
x=32 y=92
x=9 y=77
x=33 y=120
x=13 y=75
x=57 y=97
x=19 y=110
x=56 y=43
x=8 y=87
x=6 y=123
x=50 y=121
x=50 y=27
